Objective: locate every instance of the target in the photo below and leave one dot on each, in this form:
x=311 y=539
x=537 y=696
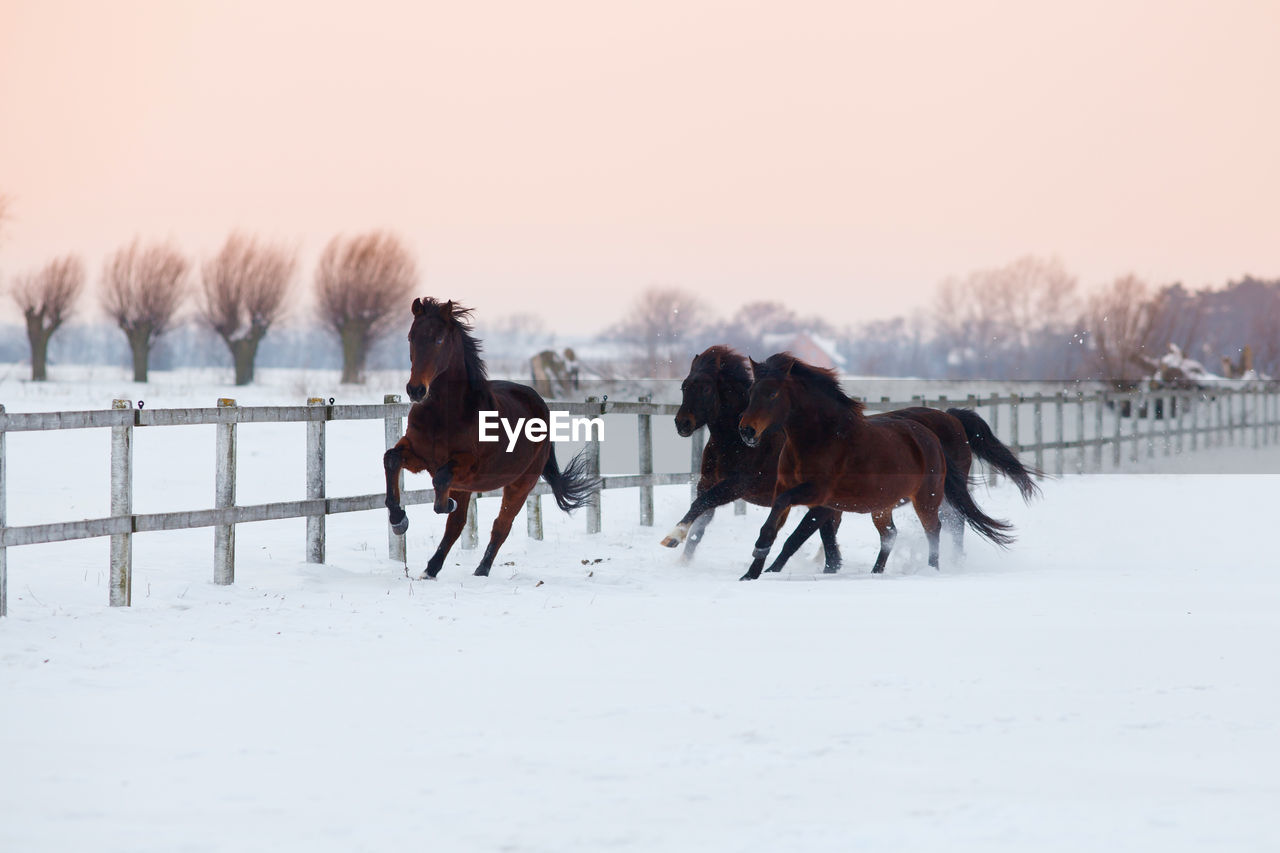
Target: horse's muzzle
x=415 y=392
x=684 y=427
x=748 y=436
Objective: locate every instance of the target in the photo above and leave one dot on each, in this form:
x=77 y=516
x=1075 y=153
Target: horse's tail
x=988 y=448
x=956 y=489
x=572 y=487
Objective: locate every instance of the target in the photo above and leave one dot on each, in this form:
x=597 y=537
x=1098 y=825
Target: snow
x=1107 y=683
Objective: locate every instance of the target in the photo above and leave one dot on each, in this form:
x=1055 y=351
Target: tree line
x=1028 y=319
x=361 y=285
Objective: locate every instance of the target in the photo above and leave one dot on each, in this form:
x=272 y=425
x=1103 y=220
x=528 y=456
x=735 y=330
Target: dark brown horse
x=449 y=387
x=715 y=394
x=836 y=459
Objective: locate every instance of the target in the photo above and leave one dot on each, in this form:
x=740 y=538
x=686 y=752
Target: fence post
x=471 y=533
x=1117 y=452
x=645 y=432
x=121 y=591
x=1081 y=451
x=393 y=429
x=1037 y=412
x=1060 y=432
x=315 y=480
x=4 y=520
x=1149 y=406
x=1016 y=433
x=533 y=515
x=1256 y=398
x=995 y=430
x=1099 y=406
x=1134 y=427
x=695 y=460
x=224 y=535
x=593 y=466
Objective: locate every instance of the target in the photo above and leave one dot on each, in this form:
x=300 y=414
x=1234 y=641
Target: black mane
x=457 y=317
x=723 y=364
x=819 y=380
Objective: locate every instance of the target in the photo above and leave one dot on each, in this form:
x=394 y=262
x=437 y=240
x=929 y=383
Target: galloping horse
x=715 y=394
x=450 y=387
x=836 y=459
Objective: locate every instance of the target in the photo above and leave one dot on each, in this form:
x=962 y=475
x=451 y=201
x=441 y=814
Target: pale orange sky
x=559 y=156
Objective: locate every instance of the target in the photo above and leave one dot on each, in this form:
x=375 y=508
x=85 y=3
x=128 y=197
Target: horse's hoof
x=399 y=527
x=426 y=576
x=877 y=571
x=482 y=572
x=671 y=542
x=449 y=507
x=830 y=570
x=747 y=577
x=774 y=569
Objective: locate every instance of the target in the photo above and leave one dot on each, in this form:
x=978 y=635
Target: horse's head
x=703 y=391
x=770 y=398
x=435 y=342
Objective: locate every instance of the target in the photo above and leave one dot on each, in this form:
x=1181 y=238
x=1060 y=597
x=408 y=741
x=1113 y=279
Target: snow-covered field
x=1108 y=683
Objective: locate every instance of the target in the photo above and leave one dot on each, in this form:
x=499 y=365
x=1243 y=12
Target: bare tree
x=1001 y=316
x=46 y=298
x=142 y=289
x=661 y=324
x=362 y=284
x=242 y=292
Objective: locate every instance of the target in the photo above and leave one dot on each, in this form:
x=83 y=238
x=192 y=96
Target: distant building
x=806 y=346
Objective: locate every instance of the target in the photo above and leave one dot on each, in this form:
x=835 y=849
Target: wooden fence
x=1175 y=421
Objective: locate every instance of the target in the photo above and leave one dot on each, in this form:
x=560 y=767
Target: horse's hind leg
x=953 y=523
x=831 y=548
x=883 y=520
x=452 y=530
x=928 y=514
x=513 y=497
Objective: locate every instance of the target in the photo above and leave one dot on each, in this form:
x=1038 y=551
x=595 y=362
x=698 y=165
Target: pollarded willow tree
x=142 y=289
x=243 y=290
x=46 y=298
x=363 y=285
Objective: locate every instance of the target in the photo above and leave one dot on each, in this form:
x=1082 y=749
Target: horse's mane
x=456 y=316
x=821 y=381
x=724 y=363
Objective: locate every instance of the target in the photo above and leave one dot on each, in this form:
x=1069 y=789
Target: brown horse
x=715 y=394
x=450 y=387
x=836 y=459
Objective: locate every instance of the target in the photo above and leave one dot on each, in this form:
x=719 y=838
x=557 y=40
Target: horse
x=449 y=387
x=837 y=459
x=715 y=394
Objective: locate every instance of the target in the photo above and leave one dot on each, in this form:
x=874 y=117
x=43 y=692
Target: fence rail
x=1175 y=420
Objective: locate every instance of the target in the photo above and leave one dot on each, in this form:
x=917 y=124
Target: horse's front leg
x=782 y=503
x=728 y=489
x=395 y=459
x=452 y=529
x=440 y=481
x=811 y=522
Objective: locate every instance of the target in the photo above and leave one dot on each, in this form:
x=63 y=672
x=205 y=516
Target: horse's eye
x=439 y=340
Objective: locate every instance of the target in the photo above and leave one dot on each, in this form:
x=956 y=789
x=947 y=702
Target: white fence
x=1080 y=428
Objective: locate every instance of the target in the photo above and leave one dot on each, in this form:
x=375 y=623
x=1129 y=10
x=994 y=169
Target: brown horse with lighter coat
x=837 y=460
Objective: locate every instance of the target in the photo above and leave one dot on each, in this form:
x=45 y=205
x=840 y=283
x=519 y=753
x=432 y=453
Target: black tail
x=956 y=488
x=572 y=487
x=988 y=448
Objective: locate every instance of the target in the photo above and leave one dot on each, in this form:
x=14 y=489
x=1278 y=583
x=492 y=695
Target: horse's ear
x=755 y=365
x=790 y=364
x=448 y=311
x=417 y=307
